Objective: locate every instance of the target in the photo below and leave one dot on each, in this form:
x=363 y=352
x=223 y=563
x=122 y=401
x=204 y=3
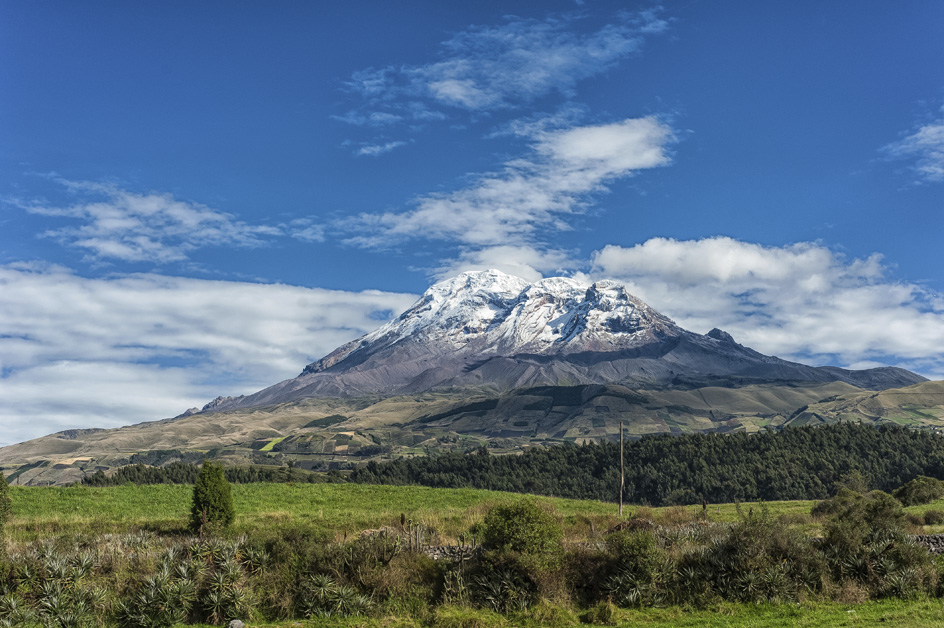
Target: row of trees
x=794 y=463
x=186 y=473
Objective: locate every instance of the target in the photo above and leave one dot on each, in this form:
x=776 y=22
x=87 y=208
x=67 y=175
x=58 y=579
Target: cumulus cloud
x=801 y=301
x=80 y=352
x=117 y=224
x=926 y=148
x=529 y=196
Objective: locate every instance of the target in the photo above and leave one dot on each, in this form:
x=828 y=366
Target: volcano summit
x=491 y=331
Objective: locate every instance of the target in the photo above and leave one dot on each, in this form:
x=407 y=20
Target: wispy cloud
x=377 y=118
x=492 y=68
x=373 y=150
x=79 y=352
x=925 y=146
x=802 y=300
x=528 y=262
x=118 y=224
x=489 y=67
x=529 y=196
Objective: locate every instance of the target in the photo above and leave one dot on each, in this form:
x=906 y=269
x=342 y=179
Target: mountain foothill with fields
x=485 y=358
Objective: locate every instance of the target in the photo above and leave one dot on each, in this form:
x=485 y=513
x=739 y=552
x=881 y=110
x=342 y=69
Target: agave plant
x=777 y=584
x=14 y=611
x=502 y=591
x=255 y=560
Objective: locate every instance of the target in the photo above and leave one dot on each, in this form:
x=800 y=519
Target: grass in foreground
x=337 y=509
x=888 y=613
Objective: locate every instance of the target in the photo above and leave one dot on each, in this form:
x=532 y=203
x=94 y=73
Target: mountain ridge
x=486 y=328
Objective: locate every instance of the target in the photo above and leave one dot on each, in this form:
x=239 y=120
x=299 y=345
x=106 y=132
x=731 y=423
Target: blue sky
x=199 y=198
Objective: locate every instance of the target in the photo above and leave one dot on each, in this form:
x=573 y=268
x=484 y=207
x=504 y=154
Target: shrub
x=603 y=614
x=865 y=542
x=921 y=490
x=933 y=517
x=212 y=499
x=524 y=528
x=756 y=559
x=5 y=501
x=5 y=508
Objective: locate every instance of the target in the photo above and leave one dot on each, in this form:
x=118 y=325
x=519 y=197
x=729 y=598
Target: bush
x=5 y=501
x=921 y=490
x=523 y=528
x=212 y=499
x=868 y=549
x=525 y=552
x=933 y=517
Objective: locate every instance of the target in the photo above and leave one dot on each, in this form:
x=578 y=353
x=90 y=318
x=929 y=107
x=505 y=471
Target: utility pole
x=622 y=477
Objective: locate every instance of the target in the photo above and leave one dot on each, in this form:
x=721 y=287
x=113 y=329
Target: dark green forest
x=795 y=463
x=186 y=473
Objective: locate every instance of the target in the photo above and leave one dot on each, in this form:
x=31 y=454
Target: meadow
x=315 y=516
x=338 y=510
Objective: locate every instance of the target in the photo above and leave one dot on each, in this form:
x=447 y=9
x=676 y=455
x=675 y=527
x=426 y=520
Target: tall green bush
x=524 y=556
x=5 y=501
x=524 y=528
x=212 y=499
x=921 y=490
x=6 y=507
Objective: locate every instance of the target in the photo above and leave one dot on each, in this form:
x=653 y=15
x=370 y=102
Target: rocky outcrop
x=934 y=542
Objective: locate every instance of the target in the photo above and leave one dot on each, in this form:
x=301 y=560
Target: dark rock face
x=489 y=330
x=934 y=542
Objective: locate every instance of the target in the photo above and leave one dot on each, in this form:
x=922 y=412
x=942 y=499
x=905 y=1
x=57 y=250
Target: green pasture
x=886 y=613
x=336 y=509
x=343 y=510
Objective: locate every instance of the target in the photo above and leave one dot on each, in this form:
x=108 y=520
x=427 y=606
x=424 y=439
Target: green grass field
x=885 y=614
x=344 y=510
x=336 y=509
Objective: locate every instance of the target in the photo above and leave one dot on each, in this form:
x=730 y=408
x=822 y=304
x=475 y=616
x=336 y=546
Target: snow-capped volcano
x=486 y=329
x=489 y=313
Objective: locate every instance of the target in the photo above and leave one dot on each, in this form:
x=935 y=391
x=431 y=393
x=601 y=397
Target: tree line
x=794 y=463
x=186 y=473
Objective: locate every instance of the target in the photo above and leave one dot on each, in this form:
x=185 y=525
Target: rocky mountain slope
x=491 y=331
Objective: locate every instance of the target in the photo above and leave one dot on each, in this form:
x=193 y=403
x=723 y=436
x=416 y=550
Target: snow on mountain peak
x=490 y=313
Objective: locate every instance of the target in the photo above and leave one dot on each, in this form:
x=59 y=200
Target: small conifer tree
x=5 y=500
x=6 y=506
x=212 y=499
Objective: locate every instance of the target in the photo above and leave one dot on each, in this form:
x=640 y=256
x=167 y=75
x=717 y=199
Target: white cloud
x=374 y=150
x=306 y=230
x=526 y=262
x=117 y=224
x=529 y=196
x=926 y=147
x=376 y=118
x=494 y=67
x=802 y=301
x=79 y=352
x=122 y=225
